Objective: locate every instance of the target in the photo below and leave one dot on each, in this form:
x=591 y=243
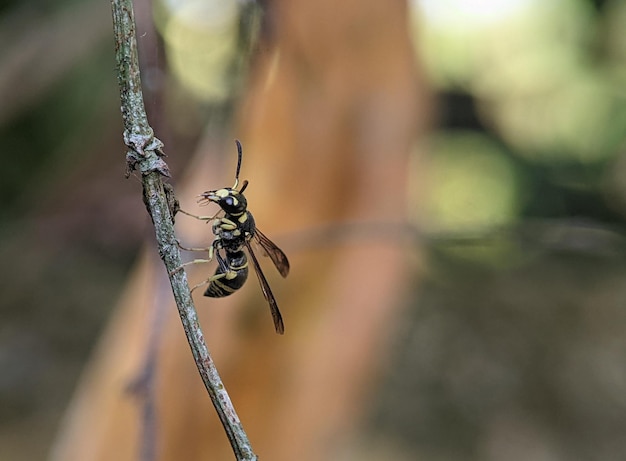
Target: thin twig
x=146 y=155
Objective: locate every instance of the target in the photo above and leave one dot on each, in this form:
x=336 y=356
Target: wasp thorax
x=229 y=200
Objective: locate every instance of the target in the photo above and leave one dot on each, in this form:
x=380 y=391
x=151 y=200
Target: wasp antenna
x=245 y=184
x=239 y=155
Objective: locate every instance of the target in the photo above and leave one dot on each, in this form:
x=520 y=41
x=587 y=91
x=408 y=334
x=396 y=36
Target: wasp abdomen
x=226 y=282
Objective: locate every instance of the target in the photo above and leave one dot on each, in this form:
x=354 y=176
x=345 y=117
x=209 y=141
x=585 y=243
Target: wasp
x=234 y=229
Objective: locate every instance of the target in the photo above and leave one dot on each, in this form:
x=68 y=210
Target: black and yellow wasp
x=234 y=231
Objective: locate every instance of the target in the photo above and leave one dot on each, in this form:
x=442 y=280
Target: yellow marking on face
x=222 y=193
x=235 y=201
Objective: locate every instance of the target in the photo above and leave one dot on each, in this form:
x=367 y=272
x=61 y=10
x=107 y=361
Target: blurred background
x=447 y=177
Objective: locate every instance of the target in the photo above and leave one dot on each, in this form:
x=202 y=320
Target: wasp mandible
x=234 y=228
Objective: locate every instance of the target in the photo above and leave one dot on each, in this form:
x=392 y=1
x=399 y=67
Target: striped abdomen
x=225 y=283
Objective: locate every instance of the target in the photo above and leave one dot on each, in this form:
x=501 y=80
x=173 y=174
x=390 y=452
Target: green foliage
x=45 y=139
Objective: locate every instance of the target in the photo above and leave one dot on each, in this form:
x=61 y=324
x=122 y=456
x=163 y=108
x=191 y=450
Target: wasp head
x=230 y=200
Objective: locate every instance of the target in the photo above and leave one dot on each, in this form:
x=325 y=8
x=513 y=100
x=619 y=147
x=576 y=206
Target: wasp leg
x=225 y=223
x=222 y=262
x=226 y=273
x=201 y=218
x=192 y=249
x=210 y=249
x=202 y=283
x=189 y=263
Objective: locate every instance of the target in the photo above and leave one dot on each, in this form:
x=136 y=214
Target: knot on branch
x=146 y=154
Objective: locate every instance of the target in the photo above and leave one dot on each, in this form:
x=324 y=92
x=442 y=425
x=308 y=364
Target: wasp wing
x=267 y=292
x=276 y=254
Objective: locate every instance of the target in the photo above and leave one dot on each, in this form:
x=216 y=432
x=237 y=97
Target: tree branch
x=146 y=155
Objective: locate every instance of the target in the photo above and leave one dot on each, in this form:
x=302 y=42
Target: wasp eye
x=229 y=201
